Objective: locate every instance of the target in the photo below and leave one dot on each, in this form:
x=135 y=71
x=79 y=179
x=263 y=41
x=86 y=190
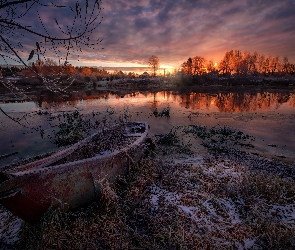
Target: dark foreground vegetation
x=177 y=199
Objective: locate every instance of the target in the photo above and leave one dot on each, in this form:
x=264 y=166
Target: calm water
x=268 y=115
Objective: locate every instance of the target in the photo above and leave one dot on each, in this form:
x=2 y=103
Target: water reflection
x=248 y=111
x=237 y=102
x=213 y=102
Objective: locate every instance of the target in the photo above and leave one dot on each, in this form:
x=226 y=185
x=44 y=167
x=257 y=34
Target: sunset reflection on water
x=217 y=102
x=267 y=115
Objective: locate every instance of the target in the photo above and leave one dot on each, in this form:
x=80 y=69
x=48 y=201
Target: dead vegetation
x=173 y=200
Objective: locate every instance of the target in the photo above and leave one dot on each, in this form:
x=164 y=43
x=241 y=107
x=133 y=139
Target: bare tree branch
x=61 y=37
x=13 y=3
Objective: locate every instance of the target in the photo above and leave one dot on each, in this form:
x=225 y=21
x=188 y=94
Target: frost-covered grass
x=219 y=204
x=173 y=200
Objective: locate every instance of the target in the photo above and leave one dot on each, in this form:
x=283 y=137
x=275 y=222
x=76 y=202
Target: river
x=268 y=114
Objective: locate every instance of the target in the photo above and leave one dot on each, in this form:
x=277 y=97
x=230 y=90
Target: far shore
x=24 y=90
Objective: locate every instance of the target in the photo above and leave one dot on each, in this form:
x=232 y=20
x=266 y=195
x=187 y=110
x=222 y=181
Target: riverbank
x=22 y=90
x=177 y=198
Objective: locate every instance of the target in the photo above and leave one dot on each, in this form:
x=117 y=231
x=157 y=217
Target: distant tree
x=266 y=66
x=252 y=68
x=118 y=74
x=261 y=63
x=287 y=67
x=194 y=66
x=154 y=63
x=198 y=65
x=236 y=62
x=38 y=66
x=239 y=63
x=274 y=64
x=225 y=66
x=102 y=73
x=50 y=62
x=69 y=69
x=186 y=67
x=210 y=66
x=131 y=75
x=94 y=69
x=86 y=71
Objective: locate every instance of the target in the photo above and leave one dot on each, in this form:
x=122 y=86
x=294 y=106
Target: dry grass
x=177 y=201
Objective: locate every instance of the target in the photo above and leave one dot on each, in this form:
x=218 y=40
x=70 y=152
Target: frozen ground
x=209 y=198
x=222 y=201
x=9 y=229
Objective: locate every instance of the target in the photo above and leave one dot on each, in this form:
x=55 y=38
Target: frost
x=157 y=192
x=9 y=228
x=194 y=188
x=249 y=243
x=106 y=152
x=191 y=211
x=286 y=213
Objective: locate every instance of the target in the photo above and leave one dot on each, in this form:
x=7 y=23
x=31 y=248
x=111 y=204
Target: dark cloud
x=233 y=10
x=175 y=30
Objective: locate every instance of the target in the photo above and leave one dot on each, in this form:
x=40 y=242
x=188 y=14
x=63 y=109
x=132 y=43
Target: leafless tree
x=29 y=29
x=33 y=29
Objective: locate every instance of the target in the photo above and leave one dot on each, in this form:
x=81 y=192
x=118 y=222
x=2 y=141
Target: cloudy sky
x=175 y=30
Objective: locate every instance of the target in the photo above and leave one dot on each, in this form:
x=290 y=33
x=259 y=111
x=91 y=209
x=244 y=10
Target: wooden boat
x=73 y=176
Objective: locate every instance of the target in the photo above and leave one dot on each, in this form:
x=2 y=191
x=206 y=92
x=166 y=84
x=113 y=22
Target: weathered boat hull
x=30 y=190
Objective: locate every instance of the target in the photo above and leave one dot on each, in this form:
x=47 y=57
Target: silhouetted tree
x=287 y=67
x=186 y=67
x=154 y=63
x=194 y=66
x=210 y=66
x=225 y=66
x=198 y=65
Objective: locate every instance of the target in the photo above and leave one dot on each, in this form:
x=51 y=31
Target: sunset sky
x=175 y=30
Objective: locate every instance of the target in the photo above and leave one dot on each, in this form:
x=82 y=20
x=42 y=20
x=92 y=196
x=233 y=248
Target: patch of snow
x=249 y=243
x=157 y=192
x=154 y=201
x=190 y=211
x=246 y=244
x=231 y=210
x=9 y=228
x=212 y=213
x=106 y=152
x=209 y=207
x=286 y=214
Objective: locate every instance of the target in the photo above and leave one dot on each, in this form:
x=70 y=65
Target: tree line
x=51 y=69
x=236 y=62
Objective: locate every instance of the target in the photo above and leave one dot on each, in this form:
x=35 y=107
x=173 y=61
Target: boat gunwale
x=45 y=167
